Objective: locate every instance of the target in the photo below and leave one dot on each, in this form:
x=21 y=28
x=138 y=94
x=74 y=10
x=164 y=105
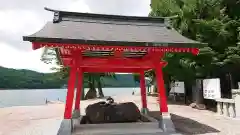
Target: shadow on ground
x=187 y=126
x=179 y=102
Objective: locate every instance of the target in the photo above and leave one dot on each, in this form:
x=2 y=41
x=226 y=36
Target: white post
x=225 y=109
x=231 y=110
x=220 y=108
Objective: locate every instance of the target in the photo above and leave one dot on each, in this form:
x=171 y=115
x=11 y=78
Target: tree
x=215 y=22
x=51 y=56
x=95 y=80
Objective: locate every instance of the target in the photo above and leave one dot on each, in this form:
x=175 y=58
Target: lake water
x=38 y=97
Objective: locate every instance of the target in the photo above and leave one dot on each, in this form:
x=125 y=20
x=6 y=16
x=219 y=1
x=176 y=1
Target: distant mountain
x=27 y=79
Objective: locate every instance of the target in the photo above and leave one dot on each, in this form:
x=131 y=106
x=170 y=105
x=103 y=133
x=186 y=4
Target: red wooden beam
x=119 y=64
x=115 y=58
x=116 y=61
x=162 y=99
x=195 y=51
x=143 y=91
x=79 y=89
x=149 y=64
x=64 y=51
x=70 y=94
x=111 y=62
x=111 y=69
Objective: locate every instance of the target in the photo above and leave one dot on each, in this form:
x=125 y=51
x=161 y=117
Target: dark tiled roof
x=85 y=28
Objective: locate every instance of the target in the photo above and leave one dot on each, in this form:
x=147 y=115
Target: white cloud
x=11 y=57
x=27 y=17
x=14 y=53
x=77 y=6
x=120 y=7
x=12 y=24
x=17 y=22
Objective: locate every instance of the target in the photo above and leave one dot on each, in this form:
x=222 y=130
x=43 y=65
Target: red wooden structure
x=109 y=43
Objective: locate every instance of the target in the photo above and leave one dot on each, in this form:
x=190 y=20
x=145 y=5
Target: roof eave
x=112 y=43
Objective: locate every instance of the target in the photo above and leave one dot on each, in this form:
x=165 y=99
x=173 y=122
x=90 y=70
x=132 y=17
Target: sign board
x=211 y=88
x=177 y=87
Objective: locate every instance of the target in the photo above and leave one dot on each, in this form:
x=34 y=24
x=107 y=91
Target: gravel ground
x=191 y=122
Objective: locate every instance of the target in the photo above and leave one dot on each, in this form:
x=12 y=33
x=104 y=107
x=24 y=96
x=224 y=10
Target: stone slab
x=158 y=133
x=150 y=128
x=225 y=100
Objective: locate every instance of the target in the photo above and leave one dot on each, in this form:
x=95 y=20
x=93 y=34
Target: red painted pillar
x=143 y=92
x=161 y=89
x=70 y=93
x=79 y=89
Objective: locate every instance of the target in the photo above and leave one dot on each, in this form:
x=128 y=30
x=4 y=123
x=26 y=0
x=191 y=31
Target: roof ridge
x=113 y=22
x=59 y=14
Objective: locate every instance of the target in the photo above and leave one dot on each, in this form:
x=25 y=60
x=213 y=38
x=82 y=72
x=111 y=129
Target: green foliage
x=215 y=22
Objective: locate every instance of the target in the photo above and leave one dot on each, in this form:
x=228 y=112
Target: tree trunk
x=92 y=93
x=83 y=94
x=100 y=92
x=199 y=92
x=225 y=80
x=155 y=90
x=167 y=87
x=188 y=92
x=231 y=81
x=198 y=99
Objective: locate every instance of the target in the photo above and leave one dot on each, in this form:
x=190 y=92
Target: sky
x=25 y=17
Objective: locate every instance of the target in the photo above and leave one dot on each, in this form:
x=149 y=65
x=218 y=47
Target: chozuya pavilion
x=89 y=42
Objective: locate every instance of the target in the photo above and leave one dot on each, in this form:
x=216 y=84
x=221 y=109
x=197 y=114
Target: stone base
x=76 y=122
x=166 y=123
x=76 y=114
x=144 y=110
x=66 y=127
